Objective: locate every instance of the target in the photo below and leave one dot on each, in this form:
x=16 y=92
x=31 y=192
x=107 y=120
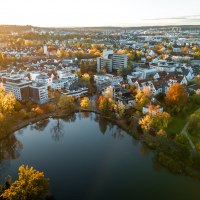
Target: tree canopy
x=31 y=185
x=177 y=97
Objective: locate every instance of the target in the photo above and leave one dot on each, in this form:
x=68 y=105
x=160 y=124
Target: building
x=60 y=84
x=34 y=74
x=112 y=61
x=45 y=49
x=24 y=90
x=119 y=61
x=38 y=93
x=43 y=79
x=18 y=87
x=104 y=63
x=76 y=90
x=152 y=108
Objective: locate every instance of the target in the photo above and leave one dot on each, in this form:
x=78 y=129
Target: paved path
x=184 y=131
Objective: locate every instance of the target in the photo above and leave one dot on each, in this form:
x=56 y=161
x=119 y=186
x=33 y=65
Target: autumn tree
x=61 y=53
x=7 y=102
x=85 y=102
x=158 y=122
x=119 y=110
x=66 y=102
x=31 y=184
x=141 y=99
x=197 y=80
x=176 y=97
x=86 y=77
x=146 y=122
x=106 y=105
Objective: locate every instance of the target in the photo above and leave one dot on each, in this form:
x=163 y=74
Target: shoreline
x=164 y=159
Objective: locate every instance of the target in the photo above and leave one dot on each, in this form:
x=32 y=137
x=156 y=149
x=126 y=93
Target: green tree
x=194 y=124
x=31 y=185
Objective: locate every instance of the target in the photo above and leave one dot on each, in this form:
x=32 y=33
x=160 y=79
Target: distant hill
x=18 y=28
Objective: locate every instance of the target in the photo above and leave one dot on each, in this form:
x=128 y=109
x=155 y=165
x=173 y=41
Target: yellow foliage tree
x=85 y=102
x=86 y=77
x=7 y=102
x=31 y=184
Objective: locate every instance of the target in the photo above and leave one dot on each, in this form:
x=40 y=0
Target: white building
x=43 y=79
x=18 y=87
x=112 y=61
x=120 y=60
x=34 y=74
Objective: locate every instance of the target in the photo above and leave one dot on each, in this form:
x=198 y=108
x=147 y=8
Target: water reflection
x=70 y=118
x=10 y=149
x=103 y=123
x=85 y=114
x=40 y=126
x=117 y=133
x=144 y=150
x=57 y=130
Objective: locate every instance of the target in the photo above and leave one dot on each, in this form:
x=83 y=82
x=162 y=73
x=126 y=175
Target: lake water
x=87 y=157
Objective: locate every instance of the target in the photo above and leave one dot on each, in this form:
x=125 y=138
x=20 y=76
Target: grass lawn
x=178 y=122
x=176 y=125
x=195 y=138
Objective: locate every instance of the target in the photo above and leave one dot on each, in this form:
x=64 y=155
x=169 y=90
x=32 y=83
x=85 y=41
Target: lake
x=88 y=158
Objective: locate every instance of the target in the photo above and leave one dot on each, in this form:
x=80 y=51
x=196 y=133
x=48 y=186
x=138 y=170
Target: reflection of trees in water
x=135 y=142
x=57 y=130
x=70 y=118
x=10 y=149
x=85 y=114
x=156 y=165
x=117 y=133
x=144 y=150
x=103 y=123
x=40 y=126
x=20 y=132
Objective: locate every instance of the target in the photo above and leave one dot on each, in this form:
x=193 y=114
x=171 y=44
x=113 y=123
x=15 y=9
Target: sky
x=73 y=13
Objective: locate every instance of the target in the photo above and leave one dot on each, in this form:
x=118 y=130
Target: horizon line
x=108 y=26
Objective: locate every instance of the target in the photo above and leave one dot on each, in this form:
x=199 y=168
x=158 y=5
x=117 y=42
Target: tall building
x=112 y=61
x=119 y=61
x=104 y=63
x=38 y=93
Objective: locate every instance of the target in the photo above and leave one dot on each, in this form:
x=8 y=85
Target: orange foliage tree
x=177 y=97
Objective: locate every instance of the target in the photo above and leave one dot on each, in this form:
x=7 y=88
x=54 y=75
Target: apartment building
x=104 y=63
x=38 y=93
x=17 y=86
x=24 y=90
x=119 y=61
x=112 y=61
